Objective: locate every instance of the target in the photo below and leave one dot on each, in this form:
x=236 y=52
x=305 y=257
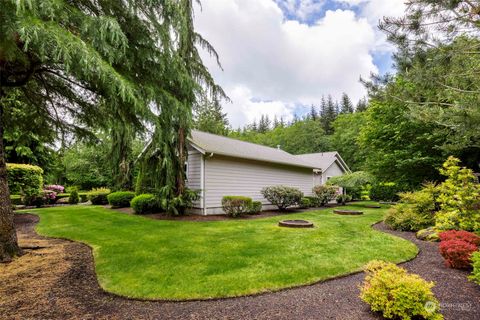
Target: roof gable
x=324 y=160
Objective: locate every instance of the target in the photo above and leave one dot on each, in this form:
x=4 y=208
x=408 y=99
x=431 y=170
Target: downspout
x=203 y=186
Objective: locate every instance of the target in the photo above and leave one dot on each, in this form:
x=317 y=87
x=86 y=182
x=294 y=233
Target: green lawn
x=152 y=259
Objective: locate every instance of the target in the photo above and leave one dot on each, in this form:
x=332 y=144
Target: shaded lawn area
x=144 y=258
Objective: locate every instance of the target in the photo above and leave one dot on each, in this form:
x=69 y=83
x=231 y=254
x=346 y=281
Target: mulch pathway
x=57 y=281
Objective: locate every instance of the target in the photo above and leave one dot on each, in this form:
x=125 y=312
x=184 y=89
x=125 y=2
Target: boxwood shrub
x=397 y=294
x=73 y=198
x=99 y=196
x=255 y=208
x=145 y=203
x=120 y=199
x=282 y=196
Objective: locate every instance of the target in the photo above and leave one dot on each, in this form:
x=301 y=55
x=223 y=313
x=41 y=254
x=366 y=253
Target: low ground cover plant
x=397 y=294
x=235 y=206
x=120 y=199
x=145 y=203
x=282 y=196
x=98 y=196
x=325 y=193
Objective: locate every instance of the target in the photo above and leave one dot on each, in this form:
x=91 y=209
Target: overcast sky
x=281 y=56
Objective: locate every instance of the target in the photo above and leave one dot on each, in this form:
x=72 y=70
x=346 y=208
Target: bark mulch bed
x=57 y=281
x=219 y=217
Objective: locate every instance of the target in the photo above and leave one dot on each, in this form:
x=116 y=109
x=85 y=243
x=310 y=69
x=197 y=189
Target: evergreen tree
x=313 y=113
x=362 y=105
x=209 y=117
x=328 y=115
x=282 y=122
x=86 y=65
x=276 y=123
x=254 y=126
x=346 y=105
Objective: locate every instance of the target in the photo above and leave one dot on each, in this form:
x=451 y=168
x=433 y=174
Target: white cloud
x=301 y=9
x=285 y=62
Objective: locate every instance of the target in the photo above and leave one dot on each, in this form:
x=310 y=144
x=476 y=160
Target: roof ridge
x=252 y=143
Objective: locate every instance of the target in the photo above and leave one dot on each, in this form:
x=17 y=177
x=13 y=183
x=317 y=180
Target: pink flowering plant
x=55 y=187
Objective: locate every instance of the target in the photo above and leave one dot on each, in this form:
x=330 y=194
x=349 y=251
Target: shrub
x=145 y=203
x=396 y=294
x=459 y=198
x=282 y=196
x=255 y=208
x=325 y=193
x=73 y=198
x=178 y=204
x=25 y=179
x=55 y=187
x=343 y=199
x=385 y=191
x=466 y=236
x=120 y=199
x=305 y=203
x=234 y=206
x=475 y=277
x=415 y=211
x=314 y=202
x=457 y=253
x=99 y=196
x=428 y=234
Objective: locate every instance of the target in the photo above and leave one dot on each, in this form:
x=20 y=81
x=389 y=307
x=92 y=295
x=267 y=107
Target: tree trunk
x=181 y=158
x=8 y=237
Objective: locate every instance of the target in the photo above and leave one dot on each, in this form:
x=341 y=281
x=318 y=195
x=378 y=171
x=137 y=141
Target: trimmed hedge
x=255 y=208
x=234 y=206
x=395 y=293
x=24 y=179
x=99 y=196
x=145 y=203
x=282 y=196
x=120 y=199
x=385 y=191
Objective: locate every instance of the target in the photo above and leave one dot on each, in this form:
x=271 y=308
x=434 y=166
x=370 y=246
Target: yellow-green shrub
x=459 y=198
x=395 y=293
x=24 y=179
x=415 y=210
x=98 y=196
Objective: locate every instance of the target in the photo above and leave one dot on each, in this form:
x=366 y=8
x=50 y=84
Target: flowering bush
x=466 y=236
x=457 y=253
x=55 y=187
x=235 y=206
x=391 y=290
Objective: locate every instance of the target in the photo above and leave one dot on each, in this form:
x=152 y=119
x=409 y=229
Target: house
x=220 y=166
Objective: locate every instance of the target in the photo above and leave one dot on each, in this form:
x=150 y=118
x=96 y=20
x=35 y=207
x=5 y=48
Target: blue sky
x=281 y=56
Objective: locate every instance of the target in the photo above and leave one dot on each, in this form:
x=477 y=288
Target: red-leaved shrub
x=466 y=236
x=457 y=253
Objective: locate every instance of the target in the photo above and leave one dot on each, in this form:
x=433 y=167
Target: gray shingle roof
x=323 y=160
x=240 y=149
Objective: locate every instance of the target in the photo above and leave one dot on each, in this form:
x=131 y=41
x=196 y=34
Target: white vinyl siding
x=233 y=176
x=194 y=173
